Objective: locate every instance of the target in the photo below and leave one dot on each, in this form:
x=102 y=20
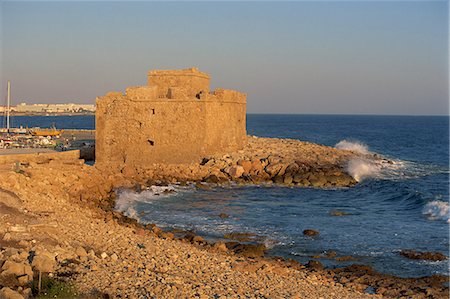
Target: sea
x=403 y=205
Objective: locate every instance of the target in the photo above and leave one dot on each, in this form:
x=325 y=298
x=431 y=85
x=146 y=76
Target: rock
x=43 y=263
x=80 y=251
x=345 y=258
x=167 y=235
x=220 y=246
x=247 y=250
x=310 y=232
x=246 y=165
x=330 y=254
x=235 y=171
x=198 y=239
x=287 y=179
x=7 y=237
x=429 y=256
x=211 y=179
x=114 y=257
x=278 y=179
x=257 y=166
x=317 y=180
x=7 y=293
x=292 y=168
x=339 y=213
x=104 y=255
x=223 y=215
x=157 y=230
x=316 y=265
x=273 y=169
x=242 y=237
x=17 y=269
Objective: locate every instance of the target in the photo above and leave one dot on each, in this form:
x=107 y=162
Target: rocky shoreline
x=58 y=222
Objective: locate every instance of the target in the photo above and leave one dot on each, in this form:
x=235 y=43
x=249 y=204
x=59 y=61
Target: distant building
x=51 y=108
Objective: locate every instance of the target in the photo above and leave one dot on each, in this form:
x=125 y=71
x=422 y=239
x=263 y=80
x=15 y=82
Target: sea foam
x=127 y=199
x=437 y=210
x=354 y=146
x=361 y=169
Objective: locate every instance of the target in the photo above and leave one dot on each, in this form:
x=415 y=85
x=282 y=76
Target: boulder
x=316 y=265
x=220 y=246
x=247 y=165
x=80 y=251
x=44 y=263
x=257 y=166
x=273 y=169
x=429 y=256
x=310 y=232
x=287 y=179
x=7 y=293
x=247 y=250
x=224 y=215
x=235 y=171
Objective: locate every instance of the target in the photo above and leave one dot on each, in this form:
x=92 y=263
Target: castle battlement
x=174 y=119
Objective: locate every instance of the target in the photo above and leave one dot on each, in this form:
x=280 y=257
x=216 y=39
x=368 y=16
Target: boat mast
x=8 y=106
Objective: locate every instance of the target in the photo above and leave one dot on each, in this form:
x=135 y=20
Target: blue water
x=387 y=214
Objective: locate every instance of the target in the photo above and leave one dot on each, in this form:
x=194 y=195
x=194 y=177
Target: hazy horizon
x=371 y=58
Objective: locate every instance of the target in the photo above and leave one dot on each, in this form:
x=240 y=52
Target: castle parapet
x=192 y=79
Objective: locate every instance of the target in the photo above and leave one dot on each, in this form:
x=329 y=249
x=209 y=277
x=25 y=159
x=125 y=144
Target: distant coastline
x=14 y=113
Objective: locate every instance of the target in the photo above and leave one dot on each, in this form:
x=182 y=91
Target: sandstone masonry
x=174 y=119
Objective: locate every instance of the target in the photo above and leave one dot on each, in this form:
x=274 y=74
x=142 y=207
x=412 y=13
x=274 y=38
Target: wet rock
x=429 y=256
x=211 y=179
x=287 y=179
x=345 y=258
x=242 y=237
x=278 y=179
x=316 y=265
x=317 y=180
x=247 y=250
x=224 y=215
x=310 y=232
x=339 y=213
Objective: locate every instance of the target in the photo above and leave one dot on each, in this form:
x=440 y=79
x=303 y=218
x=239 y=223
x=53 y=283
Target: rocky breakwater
x=282 y=161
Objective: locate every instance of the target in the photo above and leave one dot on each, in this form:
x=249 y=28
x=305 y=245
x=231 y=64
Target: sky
x=335 y=57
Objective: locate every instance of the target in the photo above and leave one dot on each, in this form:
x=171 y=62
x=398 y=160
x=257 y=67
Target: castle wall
x=140 y=128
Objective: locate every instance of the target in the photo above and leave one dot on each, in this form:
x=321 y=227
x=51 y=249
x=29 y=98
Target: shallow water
x=399 y=205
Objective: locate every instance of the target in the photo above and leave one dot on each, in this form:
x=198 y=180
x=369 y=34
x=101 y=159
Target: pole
x=8 y=106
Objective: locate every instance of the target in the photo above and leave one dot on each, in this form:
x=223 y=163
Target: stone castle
x=174 y=119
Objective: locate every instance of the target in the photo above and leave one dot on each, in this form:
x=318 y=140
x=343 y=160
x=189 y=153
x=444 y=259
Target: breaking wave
x=437 y=210
x=127 y=199
x=354 y=146
x=374 y=165
x=360 y=169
